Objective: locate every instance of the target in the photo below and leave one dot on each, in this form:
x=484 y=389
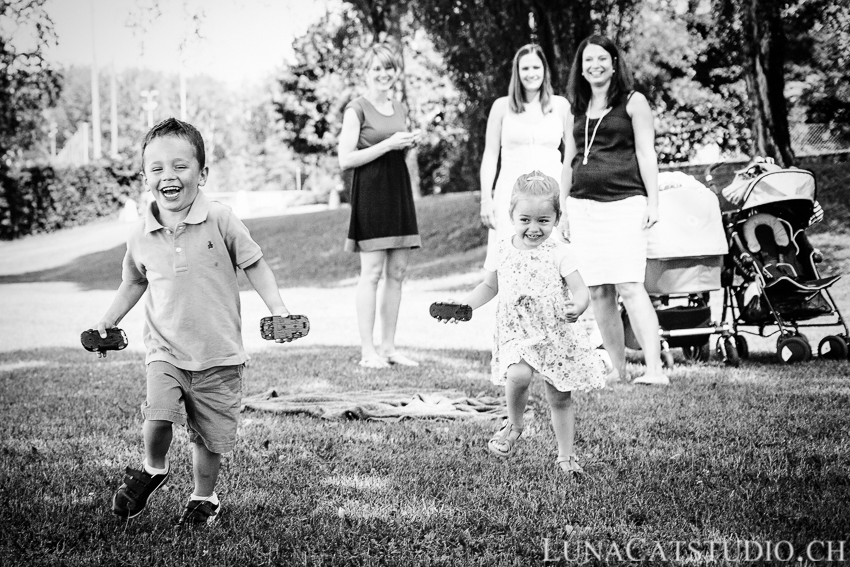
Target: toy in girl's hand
x=115 y=339
x=445 y=311
x=286 y=328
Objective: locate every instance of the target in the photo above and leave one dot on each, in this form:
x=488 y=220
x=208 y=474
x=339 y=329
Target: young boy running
x=184 y=253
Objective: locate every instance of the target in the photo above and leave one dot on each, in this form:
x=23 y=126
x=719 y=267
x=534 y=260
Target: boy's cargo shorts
x=206 y=401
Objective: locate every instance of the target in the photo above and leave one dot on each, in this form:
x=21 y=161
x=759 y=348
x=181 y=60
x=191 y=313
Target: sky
x=243 y=40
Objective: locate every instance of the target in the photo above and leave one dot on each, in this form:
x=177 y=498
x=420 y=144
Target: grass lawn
x=756 y=453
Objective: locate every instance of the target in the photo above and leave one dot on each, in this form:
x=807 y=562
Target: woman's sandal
x=569 y=465
x=503 y=443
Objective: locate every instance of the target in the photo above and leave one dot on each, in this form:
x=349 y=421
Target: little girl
x=541 y=295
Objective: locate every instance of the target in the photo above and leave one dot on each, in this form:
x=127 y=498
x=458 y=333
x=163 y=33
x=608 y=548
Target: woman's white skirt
x=609 y=239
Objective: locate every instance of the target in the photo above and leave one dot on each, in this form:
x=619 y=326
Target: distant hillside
x=307 y=249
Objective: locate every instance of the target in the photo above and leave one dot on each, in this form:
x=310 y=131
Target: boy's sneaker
x=199 y=512
x=132 y=496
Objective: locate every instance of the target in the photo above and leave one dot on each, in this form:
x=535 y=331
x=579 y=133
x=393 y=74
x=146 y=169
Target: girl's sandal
x=569 y=465
x=503 y=443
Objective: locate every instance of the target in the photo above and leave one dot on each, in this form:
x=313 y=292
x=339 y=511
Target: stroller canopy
x=690 y=223
x=782 y=185
x=791 y=191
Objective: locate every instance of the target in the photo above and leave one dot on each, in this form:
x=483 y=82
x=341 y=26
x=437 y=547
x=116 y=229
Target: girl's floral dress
x=531 y=319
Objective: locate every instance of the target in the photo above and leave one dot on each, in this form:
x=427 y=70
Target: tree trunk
x=764 y=74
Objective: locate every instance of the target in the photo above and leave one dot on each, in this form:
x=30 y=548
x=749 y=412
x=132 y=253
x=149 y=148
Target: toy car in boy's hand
x=445 y=311
x=115 y=339
x=286 y=328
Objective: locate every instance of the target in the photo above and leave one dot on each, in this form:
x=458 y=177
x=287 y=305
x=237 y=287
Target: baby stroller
x=685 y=254
x=770 y=276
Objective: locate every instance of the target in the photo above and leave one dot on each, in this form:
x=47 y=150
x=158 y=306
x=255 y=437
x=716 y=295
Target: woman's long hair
x=578 y=89
x=516 y=93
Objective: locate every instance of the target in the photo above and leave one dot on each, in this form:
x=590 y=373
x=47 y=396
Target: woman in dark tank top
x=610 y=194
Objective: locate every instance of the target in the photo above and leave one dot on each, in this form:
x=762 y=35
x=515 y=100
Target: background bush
x=41 y=198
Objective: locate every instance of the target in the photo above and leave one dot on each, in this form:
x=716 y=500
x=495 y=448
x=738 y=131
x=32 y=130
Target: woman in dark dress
x=610 y=190
x=383 y=218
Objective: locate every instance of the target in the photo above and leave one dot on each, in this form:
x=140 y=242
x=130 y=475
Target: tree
x=327 y=74
x=818 y=33
x=753 y=31
x=27 y=83
x=478 y=40
x=694 y=99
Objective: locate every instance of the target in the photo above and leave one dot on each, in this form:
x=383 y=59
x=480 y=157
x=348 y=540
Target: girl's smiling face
x=534 y=219
x=597 y=66
x=530 y=72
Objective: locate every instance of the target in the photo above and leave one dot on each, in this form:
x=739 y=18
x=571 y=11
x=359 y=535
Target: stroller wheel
x=793 y=349
x=833 y=348
x=667 y=359
x=700 y=353
x=732 y=358
x=742 y=346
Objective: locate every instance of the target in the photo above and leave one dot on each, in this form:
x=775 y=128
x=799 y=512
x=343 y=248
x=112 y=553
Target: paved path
x=44 y=251
x=54 y=314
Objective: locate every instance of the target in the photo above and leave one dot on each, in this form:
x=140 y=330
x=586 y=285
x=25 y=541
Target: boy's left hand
x=284 y=328
x=282 y=313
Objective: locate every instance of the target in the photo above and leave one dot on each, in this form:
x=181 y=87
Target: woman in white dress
x=527 y=128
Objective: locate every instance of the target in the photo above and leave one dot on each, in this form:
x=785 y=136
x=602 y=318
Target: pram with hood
x=685 y=253
x=770 y=276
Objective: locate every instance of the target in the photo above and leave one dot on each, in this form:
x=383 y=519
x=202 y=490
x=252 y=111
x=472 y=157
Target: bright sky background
x=243 y=40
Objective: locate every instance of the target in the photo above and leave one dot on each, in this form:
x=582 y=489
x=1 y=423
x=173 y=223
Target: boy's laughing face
x=173 y=175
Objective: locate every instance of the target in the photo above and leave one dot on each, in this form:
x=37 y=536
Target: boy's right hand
x=101 y=328
x=102 y=338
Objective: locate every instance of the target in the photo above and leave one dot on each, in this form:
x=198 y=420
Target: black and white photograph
x=424 y=282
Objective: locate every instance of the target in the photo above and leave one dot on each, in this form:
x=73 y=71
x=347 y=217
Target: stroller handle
x=709 y=177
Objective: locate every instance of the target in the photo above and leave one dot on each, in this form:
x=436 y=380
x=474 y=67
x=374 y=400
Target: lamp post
x=150 y=104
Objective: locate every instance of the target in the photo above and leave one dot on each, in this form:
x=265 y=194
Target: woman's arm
x=487 y=174
x=644 y=131
x=350 y=157
x=570 y=151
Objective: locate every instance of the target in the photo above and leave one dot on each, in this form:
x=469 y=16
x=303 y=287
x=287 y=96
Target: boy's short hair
x=180 y=129
x=536 y=184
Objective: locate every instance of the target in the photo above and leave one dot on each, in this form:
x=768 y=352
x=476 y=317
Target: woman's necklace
x=587 y=145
